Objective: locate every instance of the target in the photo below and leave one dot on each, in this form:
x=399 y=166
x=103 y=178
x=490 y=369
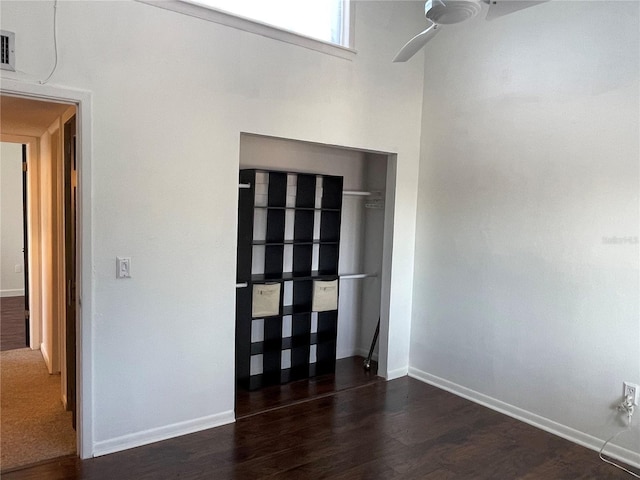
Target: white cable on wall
x=55 y=41
x=627 y=406
x=606 y=460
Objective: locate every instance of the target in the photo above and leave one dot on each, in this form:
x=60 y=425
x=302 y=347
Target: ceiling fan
x=446 y=12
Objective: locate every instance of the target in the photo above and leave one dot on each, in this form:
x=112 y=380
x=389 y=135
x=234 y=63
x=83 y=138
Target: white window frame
x=194 y=9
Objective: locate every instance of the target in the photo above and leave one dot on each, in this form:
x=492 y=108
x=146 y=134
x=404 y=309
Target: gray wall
x=11 y=241
x=530 y=159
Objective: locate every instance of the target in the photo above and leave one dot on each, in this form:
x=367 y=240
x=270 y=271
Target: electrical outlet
x=632 y=390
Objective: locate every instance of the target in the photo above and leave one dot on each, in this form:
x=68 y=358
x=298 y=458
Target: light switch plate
x=123 y=267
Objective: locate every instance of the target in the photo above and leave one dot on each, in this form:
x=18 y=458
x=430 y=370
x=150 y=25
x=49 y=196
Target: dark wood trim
x=25 y=245
x=70 y=209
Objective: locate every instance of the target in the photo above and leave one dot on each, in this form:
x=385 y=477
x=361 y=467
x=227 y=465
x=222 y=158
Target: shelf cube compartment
x=306 y=191
x=277 y=190
x=302 y=259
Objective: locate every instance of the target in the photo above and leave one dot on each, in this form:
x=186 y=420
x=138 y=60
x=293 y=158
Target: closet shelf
x=291 y=276
x=289 y=374
x=289 y=310
x=316 y=209
x=314 y=276
x=315 y=241
x=287 y=343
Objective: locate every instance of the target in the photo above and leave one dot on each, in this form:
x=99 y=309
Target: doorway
x=43 y=371
x=14 y=328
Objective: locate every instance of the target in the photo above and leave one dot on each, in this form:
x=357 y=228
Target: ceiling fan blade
x=416 y=43
x=499 y=8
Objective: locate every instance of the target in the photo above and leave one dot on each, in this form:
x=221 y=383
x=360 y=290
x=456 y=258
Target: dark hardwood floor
x=350 y=373
x=12 y=332
x=403 y=429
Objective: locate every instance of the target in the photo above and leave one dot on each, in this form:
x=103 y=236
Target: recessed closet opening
x=364 y=260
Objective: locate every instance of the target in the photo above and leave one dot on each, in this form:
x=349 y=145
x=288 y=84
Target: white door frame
x=84 y=308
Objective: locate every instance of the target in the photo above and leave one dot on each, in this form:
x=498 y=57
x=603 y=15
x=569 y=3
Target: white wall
x=11 y=240
x=168 y=111
x=375 y=175
x=530 y=159
x=51 y=275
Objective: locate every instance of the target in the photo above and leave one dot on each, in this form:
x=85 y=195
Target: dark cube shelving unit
x=301 y=252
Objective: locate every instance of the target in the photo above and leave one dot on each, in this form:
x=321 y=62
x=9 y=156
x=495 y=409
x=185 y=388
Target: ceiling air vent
x=8 y=50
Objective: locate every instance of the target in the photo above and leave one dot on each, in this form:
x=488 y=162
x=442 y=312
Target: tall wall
x=171 y=95
x=526 y=279
x=11 y=240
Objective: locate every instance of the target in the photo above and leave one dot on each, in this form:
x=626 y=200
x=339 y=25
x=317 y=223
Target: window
x=322 y=25
x=324 y=20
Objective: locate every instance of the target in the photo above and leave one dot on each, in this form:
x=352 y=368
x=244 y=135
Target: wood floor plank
x=402 y=429
x=12 y=329
x=349 y=374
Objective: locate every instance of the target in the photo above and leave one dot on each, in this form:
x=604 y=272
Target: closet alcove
x=361 y=239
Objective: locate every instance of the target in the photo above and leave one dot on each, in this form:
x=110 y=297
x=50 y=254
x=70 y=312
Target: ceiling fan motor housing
x=451 y=11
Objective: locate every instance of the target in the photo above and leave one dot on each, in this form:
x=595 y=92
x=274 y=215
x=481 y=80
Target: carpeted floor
x=33 y=423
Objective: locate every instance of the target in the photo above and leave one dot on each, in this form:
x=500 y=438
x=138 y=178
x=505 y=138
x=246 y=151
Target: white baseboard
x=45 y=356
x=397 y=373
x=161 y=433
x=15 y=292
x=627 y=456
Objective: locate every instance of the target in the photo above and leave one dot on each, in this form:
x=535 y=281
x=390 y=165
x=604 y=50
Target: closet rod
x=354 y=276
x=356 y=193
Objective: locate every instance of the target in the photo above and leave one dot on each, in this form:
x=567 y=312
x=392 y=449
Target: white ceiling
x=21 y=116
